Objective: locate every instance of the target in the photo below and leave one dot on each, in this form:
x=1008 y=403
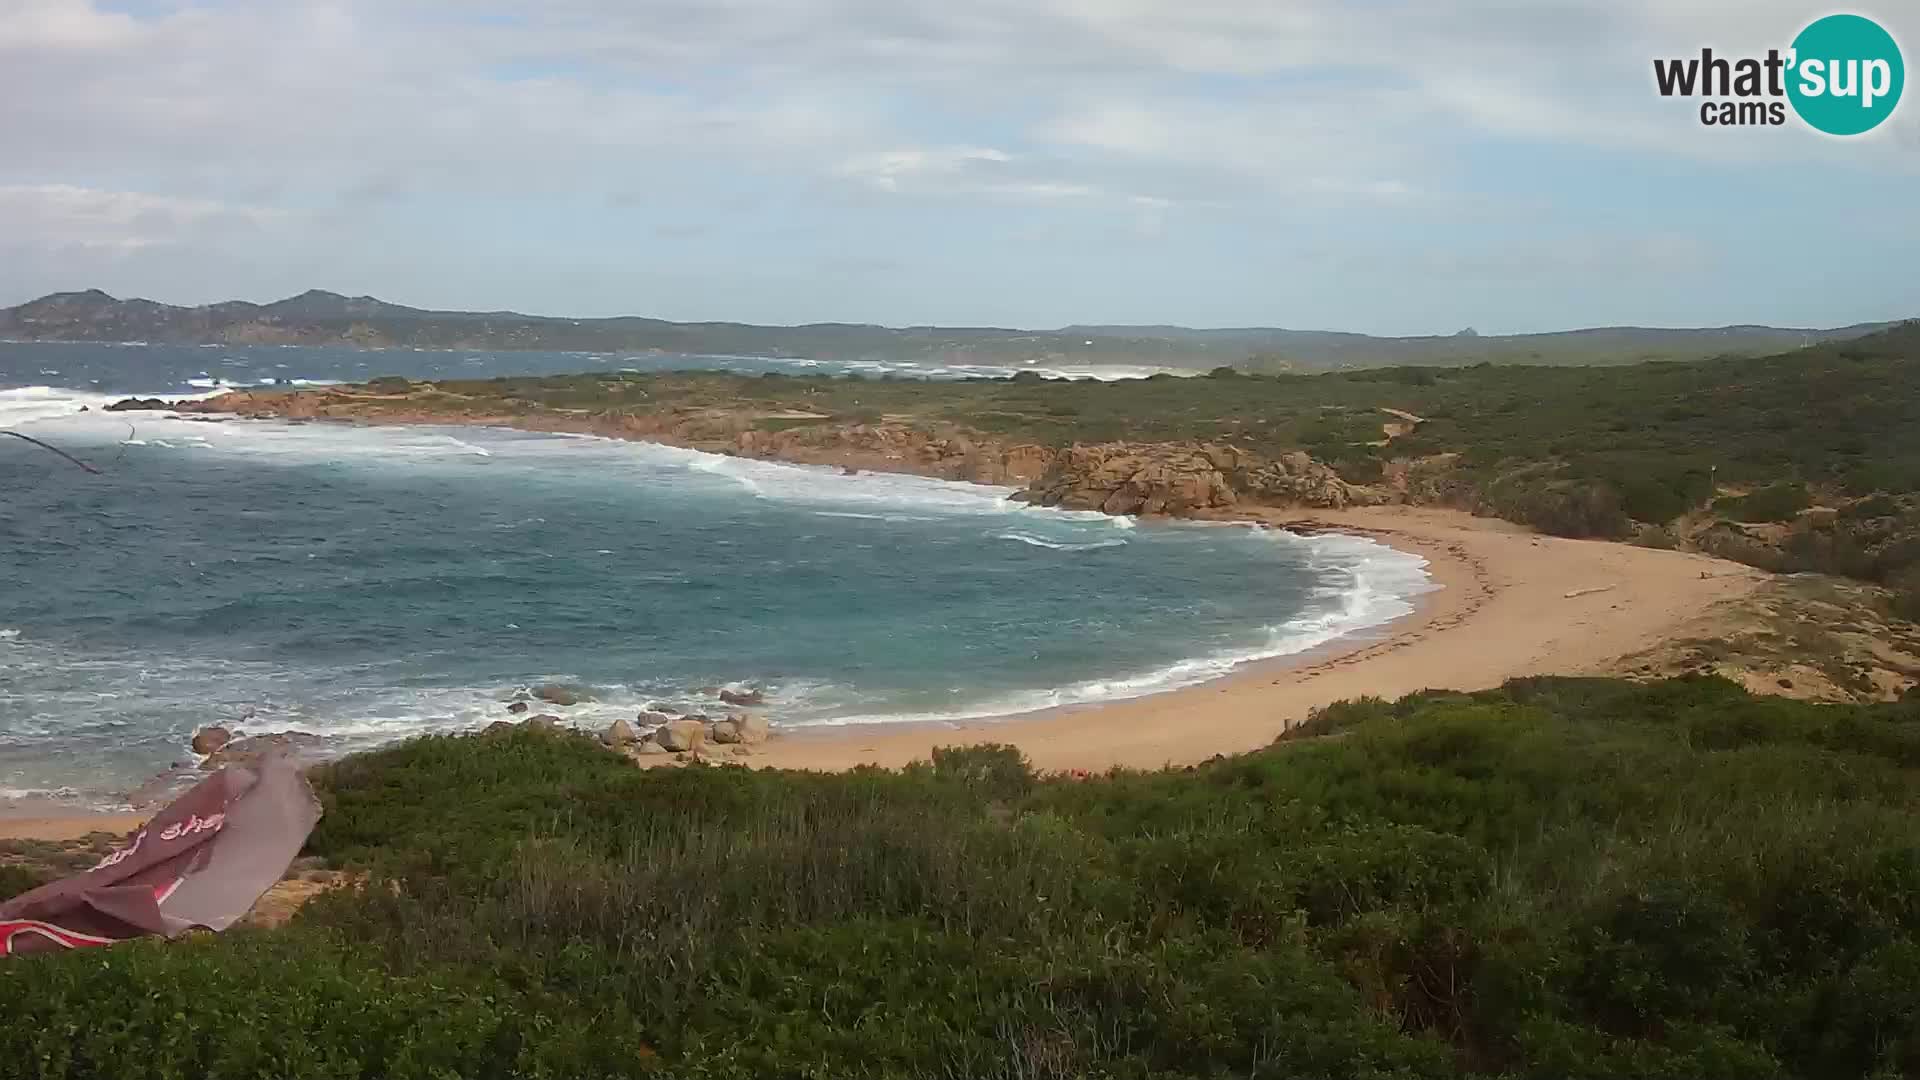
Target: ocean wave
x=1057 y=545
x=1383 y=584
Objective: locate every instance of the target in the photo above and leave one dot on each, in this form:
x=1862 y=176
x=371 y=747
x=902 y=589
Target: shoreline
x=1508 y=602
x=1503 y=611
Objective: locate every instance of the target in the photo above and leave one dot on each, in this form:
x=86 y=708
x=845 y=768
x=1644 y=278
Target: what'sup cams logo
x=1842 y=75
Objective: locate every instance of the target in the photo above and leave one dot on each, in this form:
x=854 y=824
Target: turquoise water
x=370 y=583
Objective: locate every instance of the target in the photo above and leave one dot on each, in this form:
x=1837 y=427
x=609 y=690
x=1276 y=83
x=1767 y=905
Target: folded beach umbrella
x=200 y=863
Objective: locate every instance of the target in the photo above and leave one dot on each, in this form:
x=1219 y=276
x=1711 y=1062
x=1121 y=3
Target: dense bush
x=1561 y=878
x=1775 y=502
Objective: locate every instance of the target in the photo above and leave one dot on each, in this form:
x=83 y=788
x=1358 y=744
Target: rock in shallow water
x=210 y=739
x=555 y=694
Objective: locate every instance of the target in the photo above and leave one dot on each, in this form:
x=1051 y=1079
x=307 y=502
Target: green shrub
x=1775 y=502
x=1562 y=877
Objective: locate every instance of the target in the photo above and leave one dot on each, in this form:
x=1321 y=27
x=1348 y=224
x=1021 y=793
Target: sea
x=367 y=584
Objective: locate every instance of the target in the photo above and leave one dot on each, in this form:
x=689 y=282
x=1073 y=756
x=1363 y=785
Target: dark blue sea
x=366 y=584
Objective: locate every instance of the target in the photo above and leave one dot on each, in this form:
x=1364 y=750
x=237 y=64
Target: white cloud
x=53 y=217
x=38 y=25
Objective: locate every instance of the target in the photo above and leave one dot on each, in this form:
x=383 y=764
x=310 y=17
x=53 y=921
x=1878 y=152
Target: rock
x=724 y=731
x=138 y=405
x=555 y=694
x=498 y=727
x=681 y=736
x=751 y=727
x=646 y=748
x=300 y=745
x=653 y=717
x=742 y=697
x=544 y=722
x=620 y=733
x=209 y=739
x=696 y=717
x=517 y=708
x=1160 y=478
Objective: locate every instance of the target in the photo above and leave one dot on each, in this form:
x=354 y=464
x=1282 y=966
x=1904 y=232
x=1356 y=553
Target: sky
x=1382 y=166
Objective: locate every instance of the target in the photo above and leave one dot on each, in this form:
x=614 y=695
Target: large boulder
x=681 y=736
x=619 y=733
x=556 y=694
x=748 y=728
x=743 y=697
x=210 y=739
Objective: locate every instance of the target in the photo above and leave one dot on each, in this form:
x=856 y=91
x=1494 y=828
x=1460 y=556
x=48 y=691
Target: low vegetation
x=1561 y=878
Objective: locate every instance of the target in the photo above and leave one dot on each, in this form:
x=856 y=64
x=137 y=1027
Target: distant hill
x=317 y=317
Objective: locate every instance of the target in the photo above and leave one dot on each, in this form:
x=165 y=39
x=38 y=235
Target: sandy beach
x=1511 y=602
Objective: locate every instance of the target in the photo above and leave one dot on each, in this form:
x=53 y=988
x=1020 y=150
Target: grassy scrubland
x=1561 y=878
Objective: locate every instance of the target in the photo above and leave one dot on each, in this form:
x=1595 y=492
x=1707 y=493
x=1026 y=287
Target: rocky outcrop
x=210 y=739
x=1178 y=479
x=556 y=694
x=680 y=736
x=748 y=729
x=300 y=745
x=1120 y=478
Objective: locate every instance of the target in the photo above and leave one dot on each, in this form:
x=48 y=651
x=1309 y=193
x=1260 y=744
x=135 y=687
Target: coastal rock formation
x=1176 y=479
x=555 y=694
x=300 y=745
x=748 y=728
x=743 y=697
x=1118 y=478
x=210 y=739
x=680 y=736
x=619 y=733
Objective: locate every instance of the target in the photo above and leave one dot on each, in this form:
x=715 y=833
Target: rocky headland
x=1149 y=479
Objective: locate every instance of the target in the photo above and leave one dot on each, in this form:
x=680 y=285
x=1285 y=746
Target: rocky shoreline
x=1125 y=478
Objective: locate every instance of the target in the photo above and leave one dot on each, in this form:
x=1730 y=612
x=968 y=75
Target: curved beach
x=1512 y=602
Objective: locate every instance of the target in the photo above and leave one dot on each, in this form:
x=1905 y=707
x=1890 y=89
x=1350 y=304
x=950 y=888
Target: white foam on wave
x=1058 y=545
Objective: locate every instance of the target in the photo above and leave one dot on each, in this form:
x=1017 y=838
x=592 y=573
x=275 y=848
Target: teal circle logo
x=1845 y=75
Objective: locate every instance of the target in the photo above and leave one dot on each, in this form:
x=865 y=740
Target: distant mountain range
x=324 y=318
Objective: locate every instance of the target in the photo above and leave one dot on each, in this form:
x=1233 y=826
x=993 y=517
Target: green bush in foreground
x=1561 y=878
